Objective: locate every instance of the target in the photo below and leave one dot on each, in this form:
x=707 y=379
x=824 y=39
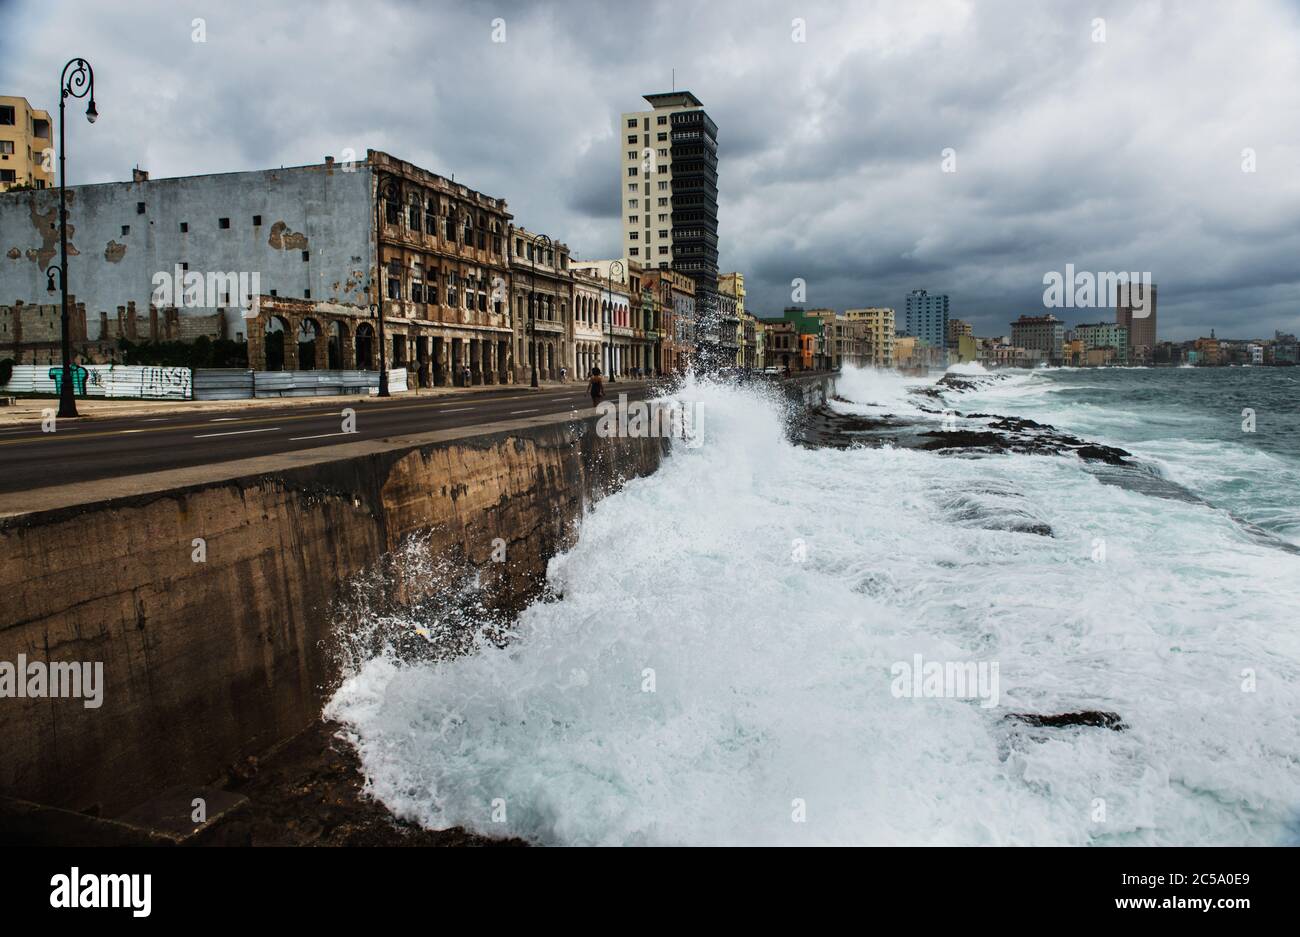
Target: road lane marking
x=321 y=436
x=235 y=432
x=457 y=409
x=516 y=412
x=84 y=430
x=224 y=419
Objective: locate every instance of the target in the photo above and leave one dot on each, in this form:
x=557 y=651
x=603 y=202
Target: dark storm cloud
x=1122 y=155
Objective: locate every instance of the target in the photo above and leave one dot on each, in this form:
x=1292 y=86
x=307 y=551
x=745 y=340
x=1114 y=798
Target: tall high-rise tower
x=1135 y=310
x=668 y=195
x=927 y=318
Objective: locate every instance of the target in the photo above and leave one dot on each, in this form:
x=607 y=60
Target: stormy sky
x=1118 y=155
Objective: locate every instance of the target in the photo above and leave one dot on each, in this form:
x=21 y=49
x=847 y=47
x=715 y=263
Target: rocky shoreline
x=828 y=427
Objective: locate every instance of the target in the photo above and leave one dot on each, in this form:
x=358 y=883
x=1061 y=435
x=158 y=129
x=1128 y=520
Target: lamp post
x=532 y=299
x=609 y=285
x=79 y=84
x=386 y=190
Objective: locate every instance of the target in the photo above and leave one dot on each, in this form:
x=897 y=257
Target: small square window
x=126 y=229
x=223 y=222
x=306 y=294
x=306 y=256
x=274 y=293
x=185 y=226
x=185 y=265
x=139 y=208
x=257 y=221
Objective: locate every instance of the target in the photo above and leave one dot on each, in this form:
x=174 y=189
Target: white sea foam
x=772 y=676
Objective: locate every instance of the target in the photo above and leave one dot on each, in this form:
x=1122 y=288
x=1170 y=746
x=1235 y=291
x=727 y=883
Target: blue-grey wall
x=328 y=206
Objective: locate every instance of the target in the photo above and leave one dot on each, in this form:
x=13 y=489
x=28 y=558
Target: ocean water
x=718 y=660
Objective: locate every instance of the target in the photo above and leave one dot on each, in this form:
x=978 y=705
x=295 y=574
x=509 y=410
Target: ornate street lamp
x=387 y=189
x=609 y=285
x=78 y=84
x=532 y=298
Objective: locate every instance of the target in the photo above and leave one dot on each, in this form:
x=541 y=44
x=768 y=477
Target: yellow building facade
x=733 y=285
x=26 y=145
x=881 y=326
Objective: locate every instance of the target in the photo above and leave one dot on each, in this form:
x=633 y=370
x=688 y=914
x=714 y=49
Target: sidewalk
x=31 y=409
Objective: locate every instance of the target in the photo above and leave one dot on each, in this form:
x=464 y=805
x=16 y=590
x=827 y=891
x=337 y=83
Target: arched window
x=276 y=328
x=365 y=346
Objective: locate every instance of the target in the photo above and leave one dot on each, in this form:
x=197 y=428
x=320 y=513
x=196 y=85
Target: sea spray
x=715 y=663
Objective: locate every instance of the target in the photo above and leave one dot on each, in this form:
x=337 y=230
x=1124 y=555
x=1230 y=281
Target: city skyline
x=834 y=177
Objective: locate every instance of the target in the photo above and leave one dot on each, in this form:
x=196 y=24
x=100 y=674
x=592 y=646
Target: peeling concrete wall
x=208 y=663
x=114 y=250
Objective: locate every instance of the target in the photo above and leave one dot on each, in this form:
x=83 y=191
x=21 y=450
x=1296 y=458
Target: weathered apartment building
x=880 y=329
x=298 y=263
x=675 y=294
x=1044 y=333
x=26 y=147
x=541 y=278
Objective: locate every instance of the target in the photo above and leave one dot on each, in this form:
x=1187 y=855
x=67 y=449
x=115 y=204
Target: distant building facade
x=927 y=318
x=26 y=145
x=1042 y=333
x=880 y=327
x=1136 y=311
x=1099 y=335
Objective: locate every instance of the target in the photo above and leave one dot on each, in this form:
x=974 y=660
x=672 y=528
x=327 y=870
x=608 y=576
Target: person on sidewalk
x=596 y=387
x=564 y=374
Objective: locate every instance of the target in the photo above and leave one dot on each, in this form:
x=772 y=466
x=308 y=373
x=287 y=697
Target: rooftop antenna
x=674 y=79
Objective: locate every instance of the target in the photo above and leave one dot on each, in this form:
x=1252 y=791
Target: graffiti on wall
x=166 y=382
x=79 y=375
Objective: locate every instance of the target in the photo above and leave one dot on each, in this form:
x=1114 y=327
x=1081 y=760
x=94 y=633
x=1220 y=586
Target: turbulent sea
x=765 y=591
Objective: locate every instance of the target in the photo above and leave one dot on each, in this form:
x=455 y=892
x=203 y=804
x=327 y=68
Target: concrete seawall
x=208 y=662
x=216 y=651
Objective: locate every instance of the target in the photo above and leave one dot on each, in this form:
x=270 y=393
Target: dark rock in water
x=953 y=382
x=824 y=427
x=1042 y=530
x=967 y=439
x=1015 y=424
x=1108 y=454
x=1090 y=717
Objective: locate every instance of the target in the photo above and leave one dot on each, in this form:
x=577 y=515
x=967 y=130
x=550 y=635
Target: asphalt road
x=86 y=450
